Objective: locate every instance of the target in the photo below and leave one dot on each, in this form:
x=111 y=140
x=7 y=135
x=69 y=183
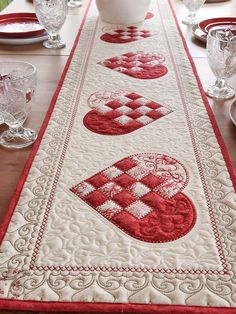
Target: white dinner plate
x=23 y=41
x=199 y=34
x=232 y=112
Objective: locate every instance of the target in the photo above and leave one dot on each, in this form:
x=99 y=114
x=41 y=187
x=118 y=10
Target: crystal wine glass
x=193 y=6
x=74 y=3
x=17 y=86
x=52 y=15
x=221 y=54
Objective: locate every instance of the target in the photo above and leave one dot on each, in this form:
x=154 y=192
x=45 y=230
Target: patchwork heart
x=126 y=35
x=141 y=195
x=121 y=112
x=149 y=15
x=140 y=65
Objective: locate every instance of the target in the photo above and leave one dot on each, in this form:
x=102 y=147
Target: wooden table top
x=50 y=64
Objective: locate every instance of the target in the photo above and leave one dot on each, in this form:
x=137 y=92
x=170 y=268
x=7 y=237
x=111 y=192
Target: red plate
x=206 y=25
x=20 y=25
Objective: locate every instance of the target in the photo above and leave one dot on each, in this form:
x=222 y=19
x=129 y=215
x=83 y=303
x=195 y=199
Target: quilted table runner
x=127 y=203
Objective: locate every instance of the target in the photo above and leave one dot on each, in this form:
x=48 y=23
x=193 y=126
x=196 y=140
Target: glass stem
x=220 y=83
x=192 y=16
x=54 y=37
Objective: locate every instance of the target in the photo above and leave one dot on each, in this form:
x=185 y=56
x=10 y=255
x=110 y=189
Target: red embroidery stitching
x=131 y=269
x=144 y=200
x=121 y=113
x=140 y=65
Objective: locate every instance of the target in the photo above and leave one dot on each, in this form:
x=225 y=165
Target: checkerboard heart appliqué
x=141 y=195
x=121 y=112
x=126 y=34
x=139 y=64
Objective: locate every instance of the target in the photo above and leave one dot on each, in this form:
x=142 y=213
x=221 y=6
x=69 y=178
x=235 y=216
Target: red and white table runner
x=129 y=200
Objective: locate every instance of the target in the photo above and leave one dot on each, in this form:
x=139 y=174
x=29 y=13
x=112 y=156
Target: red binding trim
x=102 y=307
x=13 y=203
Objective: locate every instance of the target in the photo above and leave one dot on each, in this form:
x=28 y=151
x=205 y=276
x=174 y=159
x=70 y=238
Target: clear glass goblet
x=193 y=6
x=221 y=55
x=74 y=3
x=52 y=15
x=17 y=86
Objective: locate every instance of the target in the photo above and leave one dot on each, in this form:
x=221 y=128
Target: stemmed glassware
x=74 y=3
x=221 y=54
x=52 y=15
x=17 y=86
x=193 y=6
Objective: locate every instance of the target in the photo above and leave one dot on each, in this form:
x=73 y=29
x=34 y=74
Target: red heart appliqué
x=149 y=15
x=118 y=113
x=141 y=195
x=140 y=65
x=126 y=35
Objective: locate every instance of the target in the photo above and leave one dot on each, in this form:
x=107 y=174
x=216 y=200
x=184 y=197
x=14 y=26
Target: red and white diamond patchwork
x=141 y=195
x=121 y=113
x=126 y=35
x=139 y=64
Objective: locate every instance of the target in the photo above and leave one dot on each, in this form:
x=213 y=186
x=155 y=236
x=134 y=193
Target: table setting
x=28 y=28
x=127 y=201
x=201 y=29
x=20 y=28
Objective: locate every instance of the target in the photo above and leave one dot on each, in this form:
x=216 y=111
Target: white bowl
x=122 y=11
